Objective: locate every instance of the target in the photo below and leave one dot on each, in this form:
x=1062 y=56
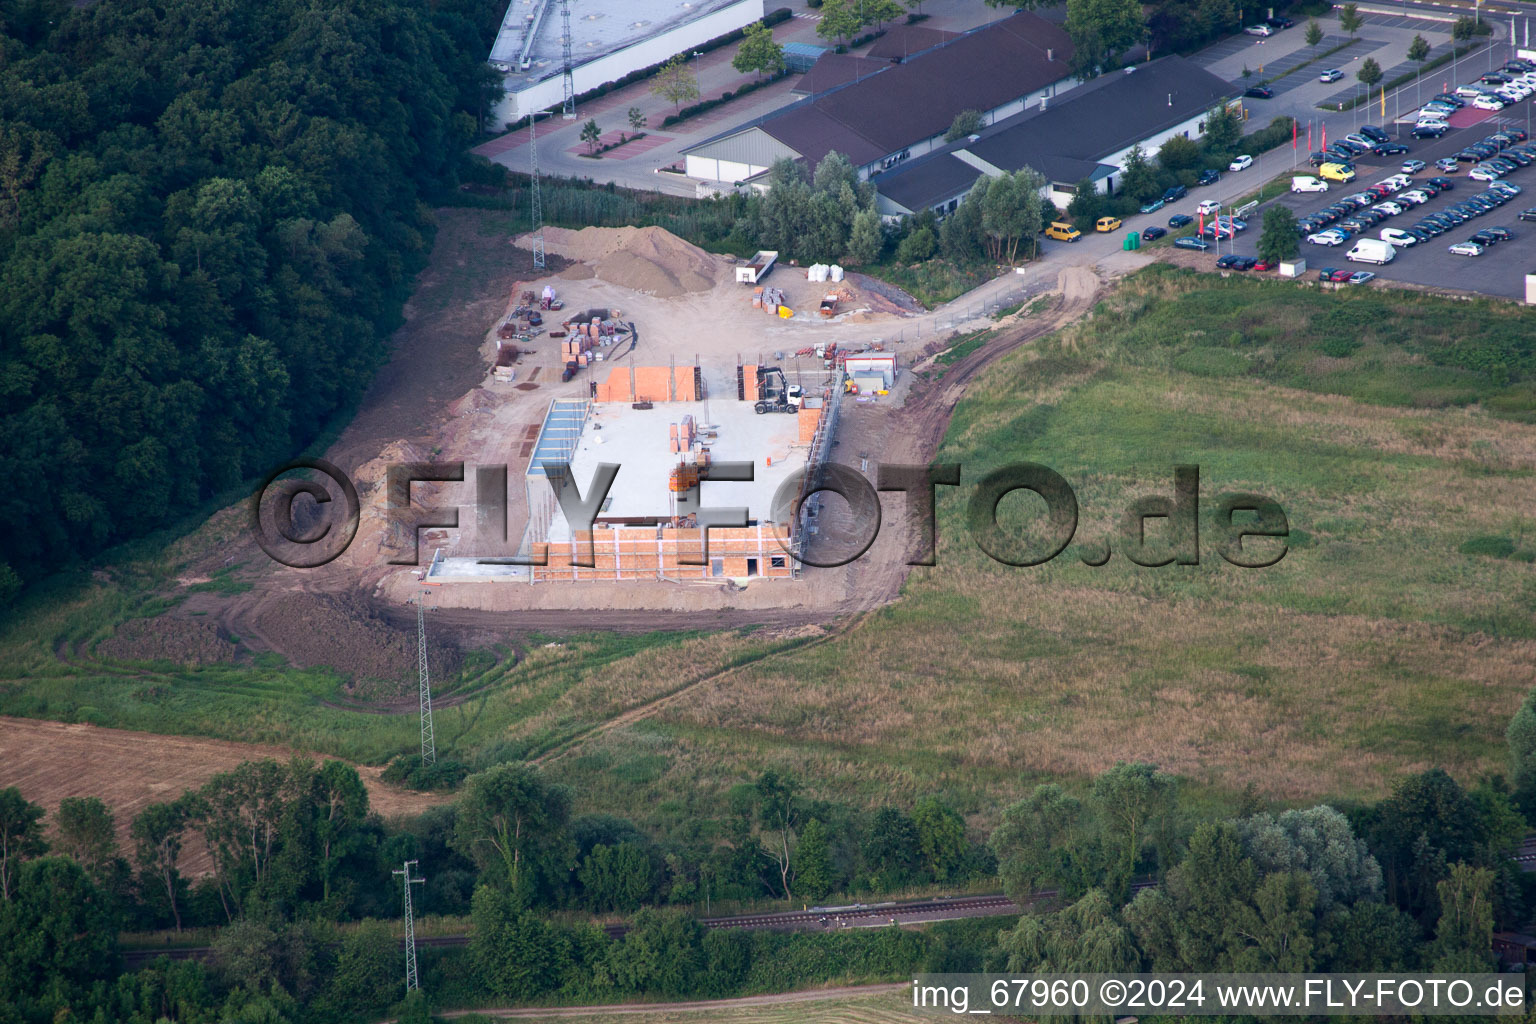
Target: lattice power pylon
x=538 y=201
x=428 y=739
x=410 y=925
x=570 y=73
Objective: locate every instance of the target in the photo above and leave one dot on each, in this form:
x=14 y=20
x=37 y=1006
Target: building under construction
x=670 y=441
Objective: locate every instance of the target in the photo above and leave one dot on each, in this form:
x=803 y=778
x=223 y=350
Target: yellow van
x=1062 y=232
x=1336 y=172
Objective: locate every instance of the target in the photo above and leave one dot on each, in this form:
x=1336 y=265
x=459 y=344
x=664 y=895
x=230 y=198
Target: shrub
x=408 y=771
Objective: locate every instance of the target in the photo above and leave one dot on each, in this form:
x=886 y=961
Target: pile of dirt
x=346 y=636
x=182 y=641
x=649 y=260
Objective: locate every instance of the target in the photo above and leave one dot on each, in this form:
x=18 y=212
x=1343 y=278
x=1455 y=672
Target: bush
x=919 y=245
x=408 y=771
x=1489 y=546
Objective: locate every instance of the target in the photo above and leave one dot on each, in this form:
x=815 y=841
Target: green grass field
x=1397 y=632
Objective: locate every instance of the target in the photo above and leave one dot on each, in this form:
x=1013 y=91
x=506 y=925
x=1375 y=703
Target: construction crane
x=570 y=76
x=428 y=739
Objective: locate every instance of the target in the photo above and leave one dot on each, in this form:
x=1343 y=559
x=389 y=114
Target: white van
x=1307 y=183
x=1371 y=250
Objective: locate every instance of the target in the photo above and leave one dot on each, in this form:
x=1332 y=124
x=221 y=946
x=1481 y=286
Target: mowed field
x=49 y=761
x=1398 y=631
x=835 y=1006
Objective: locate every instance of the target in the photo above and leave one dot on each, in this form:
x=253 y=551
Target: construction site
x=713 y=385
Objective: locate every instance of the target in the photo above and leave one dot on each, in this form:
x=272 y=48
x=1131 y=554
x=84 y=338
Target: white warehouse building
x=609 y=39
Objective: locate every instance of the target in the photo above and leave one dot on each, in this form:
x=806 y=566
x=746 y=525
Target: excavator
x=774 y=394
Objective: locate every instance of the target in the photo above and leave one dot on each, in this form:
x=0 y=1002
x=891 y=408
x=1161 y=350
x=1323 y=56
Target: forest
x=210 y=216
x=301 y=887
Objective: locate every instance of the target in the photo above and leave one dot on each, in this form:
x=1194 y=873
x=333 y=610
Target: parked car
x=1260 y=92
x=1389 y=149
x=1361 y=277
x=1332 y=236
x=1429 y=131
x=1324 y=273
x=1528 y=214
x=1106 y=224
x=1502 y=234
x=1153 y=232
x=1227 y=262
x=1209 y=176
x=1153 y=206
x=1176 y=193
x=1178 y=220
x=1307 y=183
x=1208 y=207
x=1262 y=265
x=1485 y=238
x=1242 y=163
x=1259 y=30
x=1331 y=75
x=1397 y=236
x=1191 y=243
x=1341 y=276
x=1374 y=133
x=1486 y=102
x=1448 y=163
x=1466 y=249
x=1413 y=166
x=1482 y=173
x=1451 y=98
x=1278 y=22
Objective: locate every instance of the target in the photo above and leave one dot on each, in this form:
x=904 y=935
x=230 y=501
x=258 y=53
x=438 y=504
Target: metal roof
x=1066 y=141
x=902 y=104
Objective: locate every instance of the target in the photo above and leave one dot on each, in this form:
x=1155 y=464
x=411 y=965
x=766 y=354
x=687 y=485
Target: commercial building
x=609 y=39
x=882 y=112
x=1082 y=134
x=671 y=456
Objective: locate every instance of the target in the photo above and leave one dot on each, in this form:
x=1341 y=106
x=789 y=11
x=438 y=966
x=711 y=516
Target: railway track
x=854 y=915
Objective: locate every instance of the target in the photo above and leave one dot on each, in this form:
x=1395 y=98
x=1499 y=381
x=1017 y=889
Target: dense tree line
x=210 y=213
x=1418 y=880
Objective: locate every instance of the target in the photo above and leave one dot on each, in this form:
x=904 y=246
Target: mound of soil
x=183 y=641
x=650 y=260
x=346 y=636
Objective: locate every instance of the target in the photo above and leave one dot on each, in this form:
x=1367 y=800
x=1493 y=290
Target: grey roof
x=929 y=182
x=1108 y=114
x=905 y=103
x=1067 y=141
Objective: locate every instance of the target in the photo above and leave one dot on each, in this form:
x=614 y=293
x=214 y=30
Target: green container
x=1132 y=240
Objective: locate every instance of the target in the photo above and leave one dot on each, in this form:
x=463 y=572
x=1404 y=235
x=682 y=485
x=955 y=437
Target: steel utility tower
x=428 y=740
x=538 y=202
x=570 y=77
x=410 y=925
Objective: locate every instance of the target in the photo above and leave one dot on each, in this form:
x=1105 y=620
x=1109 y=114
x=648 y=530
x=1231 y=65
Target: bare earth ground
x=49 y=761
x=436 y=401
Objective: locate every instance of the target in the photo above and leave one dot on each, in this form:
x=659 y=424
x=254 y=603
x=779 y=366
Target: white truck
x=757 y=267
x=1371 y=250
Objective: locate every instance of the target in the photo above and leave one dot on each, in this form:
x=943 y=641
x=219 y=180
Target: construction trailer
x=757 y=267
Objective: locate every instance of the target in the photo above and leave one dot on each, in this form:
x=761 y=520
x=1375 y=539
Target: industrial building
x=609 y=39
x=667 y=437
x=1084 y=133
x=882 y=112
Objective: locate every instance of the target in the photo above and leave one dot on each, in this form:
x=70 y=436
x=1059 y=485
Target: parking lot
x=1500 y=270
